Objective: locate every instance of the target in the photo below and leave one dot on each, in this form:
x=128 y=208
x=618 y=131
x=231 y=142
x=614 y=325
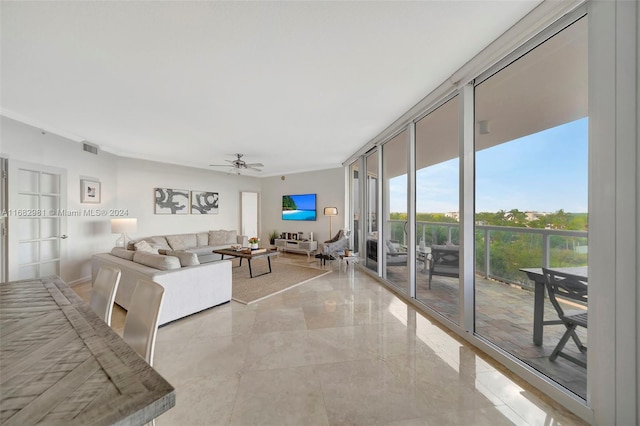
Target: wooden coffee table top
x=252 y=255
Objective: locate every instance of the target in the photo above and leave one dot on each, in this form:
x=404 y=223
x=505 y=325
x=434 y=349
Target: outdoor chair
x=395 y=256
x=444 y=260
x=567 y=286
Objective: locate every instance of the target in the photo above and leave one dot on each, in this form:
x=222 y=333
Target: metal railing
x=537 y=250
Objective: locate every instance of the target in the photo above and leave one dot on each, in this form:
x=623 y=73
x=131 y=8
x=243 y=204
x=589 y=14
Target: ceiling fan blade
x=254 y=168
x=254 y=165
x=219 y=165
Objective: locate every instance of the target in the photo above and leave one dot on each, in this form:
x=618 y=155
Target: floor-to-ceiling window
x=354 y=203
x=511 y=147
x=371 y=211
x=395 y=238
x=437 y=208
x=531 y=198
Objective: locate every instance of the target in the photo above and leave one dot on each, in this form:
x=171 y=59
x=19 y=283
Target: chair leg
x=562 y=342
x=578 y=342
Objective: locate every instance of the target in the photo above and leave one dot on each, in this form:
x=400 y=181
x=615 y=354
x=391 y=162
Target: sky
x=546 y=171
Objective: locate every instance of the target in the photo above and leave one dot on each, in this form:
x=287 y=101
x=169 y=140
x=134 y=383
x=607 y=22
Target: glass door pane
x=354 y=203
x=395 y=237
x=437 y=207
x=531 y=200
x=371 y=205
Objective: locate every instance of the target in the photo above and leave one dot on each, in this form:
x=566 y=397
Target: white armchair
x=339 y=242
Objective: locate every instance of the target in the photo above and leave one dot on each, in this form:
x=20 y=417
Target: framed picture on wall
x=89 y=191
x=171 y=201
x=203 y=202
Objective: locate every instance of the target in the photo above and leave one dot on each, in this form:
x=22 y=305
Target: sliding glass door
x=395 y=237
x=437 y=207
x=531 y=143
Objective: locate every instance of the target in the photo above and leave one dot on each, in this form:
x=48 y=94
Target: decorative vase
x=253 y=246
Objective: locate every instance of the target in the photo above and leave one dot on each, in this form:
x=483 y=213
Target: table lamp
x=123 y=226
x=330 y=211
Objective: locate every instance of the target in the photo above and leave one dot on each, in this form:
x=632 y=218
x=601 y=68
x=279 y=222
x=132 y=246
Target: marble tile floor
x=338 y=350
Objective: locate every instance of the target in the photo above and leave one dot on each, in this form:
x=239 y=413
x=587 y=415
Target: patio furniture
x=536 y=275
x=573 y=287
x=444 y=261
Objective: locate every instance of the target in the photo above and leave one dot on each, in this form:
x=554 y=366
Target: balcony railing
x=502 y=250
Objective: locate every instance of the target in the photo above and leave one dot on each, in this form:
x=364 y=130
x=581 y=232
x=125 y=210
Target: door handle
x=63 y=237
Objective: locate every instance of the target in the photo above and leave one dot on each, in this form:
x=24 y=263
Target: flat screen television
x=299 y=207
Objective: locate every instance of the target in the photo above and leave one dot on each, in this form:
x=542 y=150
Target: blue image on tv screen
x=299 y=207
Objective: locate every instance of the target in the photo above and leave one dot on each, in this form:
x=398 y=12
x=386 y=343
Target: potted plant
x=272 y=237
x=253 y=243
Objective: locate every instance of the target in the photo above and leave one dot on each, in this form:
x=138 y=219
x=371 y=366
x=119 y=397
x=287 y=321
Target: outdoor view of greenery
x=509 y=249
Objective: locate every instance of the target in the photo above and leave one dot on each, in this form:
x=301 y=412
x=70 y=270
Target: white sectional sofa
x=193 y=277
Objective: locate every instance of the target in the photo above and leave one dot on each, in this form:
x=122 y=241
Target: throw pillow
x=182 y=241
x=161 y=242
x=217 y=238
x=232 y=237
x=203 y=239
x=391 y=248
x=145 y=247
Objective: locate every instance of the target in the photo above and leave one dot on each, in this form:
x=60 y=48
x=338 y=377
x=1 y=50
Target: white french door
x=249 y=206
x=36 y=220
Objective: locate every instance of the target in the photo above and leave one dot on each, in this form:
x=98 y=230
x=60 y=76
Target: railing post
x=487 y=254
x=545 y=249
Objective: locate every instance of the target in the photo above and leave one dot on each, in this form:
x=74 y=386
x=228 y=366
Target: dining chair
x=141 y=322
x=103 y=292
x=567 y=286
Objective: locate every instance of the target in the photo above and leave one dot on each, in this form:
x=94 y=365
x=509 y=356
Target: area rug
x=284 y=276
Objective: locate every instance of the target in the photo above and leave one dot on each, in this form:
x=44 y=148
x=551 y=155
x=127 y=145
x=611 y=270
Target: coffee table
x=249 y=256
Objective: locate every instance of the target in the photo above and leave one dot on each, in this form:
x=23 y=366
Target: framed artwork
x=89 y=191
x=204 y=202
x=171 y=201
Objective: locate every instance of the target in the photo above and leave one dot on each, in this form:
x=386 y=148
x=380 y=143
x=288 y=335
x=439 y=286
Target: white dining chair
x=103 y=292
x=141 y=322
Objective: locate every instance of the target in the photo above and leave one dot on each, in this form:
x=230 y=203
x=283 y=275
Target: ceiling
x=298 y=86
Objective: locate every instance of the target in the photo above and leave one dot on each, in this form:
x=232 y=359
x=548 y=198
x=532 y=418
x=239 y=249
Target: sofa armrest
x=243 y=240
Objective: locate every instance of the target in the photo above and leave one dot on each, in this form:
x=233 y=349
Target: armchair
x=339 y=242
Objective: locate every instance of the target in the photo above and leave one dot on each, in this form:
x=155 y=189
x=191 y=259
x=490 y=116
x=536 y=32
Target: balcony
x=504 y=296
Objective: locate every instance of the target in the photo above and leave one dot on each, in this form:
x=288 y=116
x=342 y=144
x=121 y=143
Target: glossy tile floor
x=338 y=350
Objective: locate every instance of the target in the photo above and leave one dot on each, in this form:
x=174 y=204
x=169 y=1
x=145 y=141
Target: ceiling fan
x=239 y=164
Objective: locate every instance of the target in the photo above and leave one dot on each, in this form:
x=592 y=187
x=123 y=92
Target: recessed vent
x=87 y=147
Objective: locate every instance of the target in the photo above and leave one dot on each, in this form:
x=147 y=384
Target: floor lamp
x=330 y=211
x=123 y=226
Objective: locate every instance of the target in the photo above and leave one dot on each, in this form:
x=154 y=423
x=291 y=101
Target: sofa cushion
x=203 y=238
x=218 y=238
x=157 y=261
x=232 y=237
x=145 y=247
x=186 y=258
x=123 y=253
x=182 y=241
x=159 y=242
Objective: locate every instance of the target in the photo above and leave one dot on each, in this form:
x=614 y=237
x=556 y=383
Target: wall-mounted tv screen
x=299 y=207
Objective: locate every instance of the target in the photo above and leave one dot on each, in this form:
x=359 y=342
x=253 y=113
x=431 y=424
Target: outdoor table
x=62 y=364
x=536 y=275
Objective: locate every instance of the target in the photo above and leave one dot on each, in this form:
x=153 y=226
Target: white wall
x=327 y=184
x=138 y=178
x=87 y=234
x=126 y=184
